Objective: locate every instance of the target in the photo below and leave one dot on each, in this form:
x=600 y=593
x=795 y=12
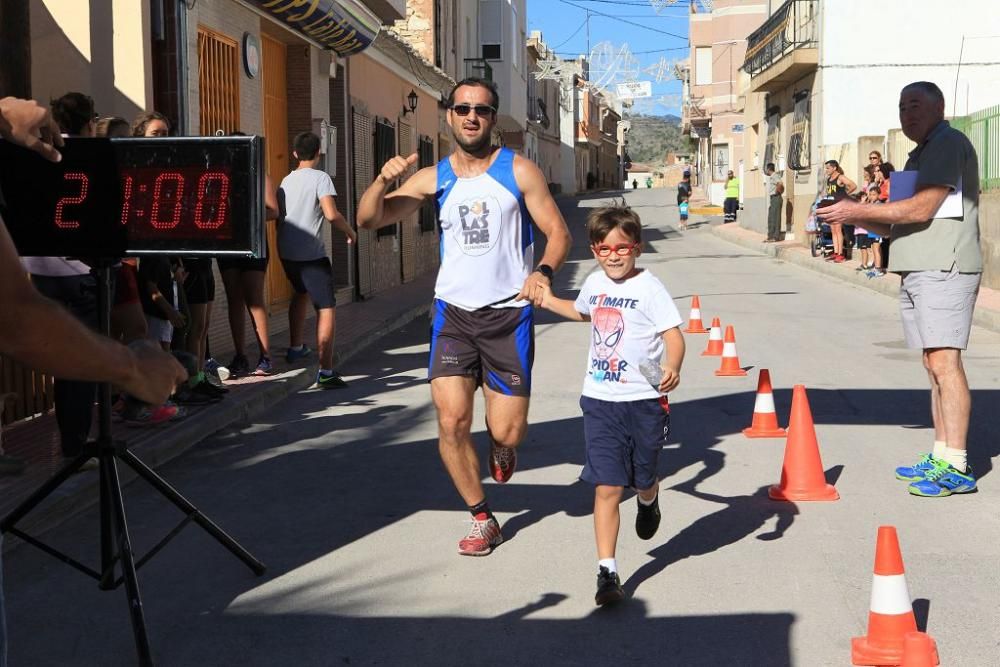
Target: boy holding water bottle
x=626 y=414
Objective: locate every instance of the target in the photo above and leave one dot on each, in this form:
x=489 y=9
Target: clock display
x=109 y=198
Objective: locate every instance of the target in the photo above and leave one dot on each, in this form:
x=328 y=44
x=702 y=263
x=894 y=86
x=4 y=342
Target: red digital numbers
x=126 y=198
x=216 y=199
x=160 y=197
x=68 y=200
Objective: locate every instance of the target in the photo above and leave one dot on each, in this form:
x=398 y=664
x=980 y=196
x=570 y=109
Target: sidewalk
x=987 y=313
x=359 y=325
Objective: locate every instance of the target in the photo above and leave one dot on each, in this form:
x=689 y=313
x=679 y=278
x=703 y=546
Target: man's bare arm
x=336 y=218
x=42 y=335
x=918 y=209
x=379 y=207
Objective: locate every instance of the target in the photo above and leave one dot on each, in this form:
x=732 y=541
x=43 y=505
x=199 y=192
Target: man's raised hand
x=396 y=167
x=29 y=124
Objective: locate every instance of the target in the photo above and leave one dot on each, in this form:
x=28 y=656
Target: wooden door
x=273 y=73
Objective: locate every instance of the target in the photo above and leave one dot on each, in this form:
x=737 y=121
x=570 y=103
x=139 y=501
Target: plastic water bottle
x=650 y=369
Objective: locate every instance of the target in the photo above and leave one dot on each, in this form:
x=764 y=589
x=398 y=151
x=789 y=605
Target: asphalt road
x=343 y=496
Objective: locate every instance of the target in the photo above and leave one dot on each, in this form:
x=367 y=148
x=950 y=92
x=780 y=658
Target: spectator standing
x=732 y=202
x=774 y=188
x=940 y=264
x=838 y=186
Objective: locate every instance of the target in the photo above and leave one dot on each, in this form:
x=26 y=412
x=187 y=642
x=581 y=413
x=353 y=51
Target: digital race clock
x=115 y=197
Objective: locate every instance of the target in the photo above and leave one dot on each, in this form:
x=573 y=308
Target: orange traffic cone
x=919 y=650
x=694 y=322
x=802 y=470
x=714 y=348
x=890 y=615
x=730 y=361
x=765 y=421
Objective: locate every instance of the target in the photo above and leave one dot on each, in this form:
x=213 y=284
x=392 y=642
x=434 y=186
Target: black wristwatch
x=546 y=271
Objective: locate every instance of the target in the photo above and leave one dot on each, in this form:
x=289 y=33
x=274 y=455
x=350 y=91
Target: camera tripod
x=116 y=546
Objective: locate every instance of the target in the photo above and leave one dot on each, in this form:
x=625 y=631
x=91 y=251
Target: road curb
x=799 y=255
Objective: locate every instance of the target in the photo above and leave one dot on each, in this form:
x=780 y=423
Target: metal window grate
x=425 y=158
x=218 y=82
x=385 y=149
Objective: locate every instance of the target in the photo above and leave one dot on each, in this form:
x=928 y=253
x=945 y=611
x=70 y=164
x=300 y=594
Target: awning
x=344 y=26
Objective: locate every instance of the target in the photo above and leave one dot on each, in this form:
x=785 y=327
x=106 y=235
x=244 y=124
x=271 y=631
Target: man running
x=483 y=328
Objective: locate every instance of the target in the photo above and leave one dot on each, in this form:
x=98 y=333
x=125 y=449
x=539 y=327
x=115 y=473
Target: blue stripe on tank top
x=445 y=176
x=436 y=325
x=522 y=339
x=502 y=171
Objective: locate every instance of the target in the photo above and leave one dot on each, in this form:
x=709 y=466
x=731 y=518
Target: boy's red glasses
x=621 y=249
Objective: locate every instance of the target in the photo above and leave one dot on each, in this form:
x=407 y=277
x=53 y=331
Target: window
x=720 y=162
x=798 y=143
x=515 y=46
x=425 y=158
x=218 y=82
x=385 y=149
x=773 y=138
x=490 y=30
x=703 y=65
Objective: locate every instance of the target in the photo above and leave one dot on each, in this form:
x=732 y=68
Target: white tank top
x=487 y=248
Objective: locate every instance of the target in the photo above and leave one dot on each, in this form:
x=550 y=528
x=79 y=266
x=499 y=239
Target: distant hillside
x=652 y=137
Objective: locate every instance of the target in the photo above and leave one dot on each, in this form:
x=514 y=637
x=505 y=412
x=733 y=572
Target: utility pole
x=15 y=48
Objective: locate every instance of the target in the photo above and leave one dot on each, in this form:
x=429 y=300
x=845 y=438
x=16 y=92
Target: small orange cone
x=730 y=360
x=765 y=420
x=802 y=475
x=714 y=348
x=890 y=615
x=694 y=322
x=919 y=650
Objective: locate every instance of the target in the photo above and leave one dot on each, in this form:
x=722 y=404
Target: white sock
x=957 y=458
x=297 y=348
x=609 y=563
x=647 y=503
x=325 y=372
x=939 y=447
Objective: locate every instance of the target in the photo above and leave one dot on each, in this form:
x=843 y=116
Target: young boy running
x=626 y=416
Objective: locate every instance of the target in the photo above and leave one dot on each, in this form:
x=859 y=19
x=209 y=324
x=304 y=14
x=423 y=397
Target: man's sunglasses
x=482 y=110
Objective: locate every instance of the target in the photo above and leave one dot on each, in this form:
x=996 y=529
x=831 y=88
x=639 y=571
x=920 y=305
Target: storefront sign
x=343 y=26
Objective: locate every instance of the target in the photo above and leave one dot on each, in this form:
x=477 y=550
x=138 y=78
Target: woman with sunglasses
x=488 y=202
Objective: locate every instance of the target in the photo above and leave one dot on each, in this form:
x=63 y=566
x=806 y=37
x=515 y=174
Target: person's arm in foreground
x=673 y=339
x=561 y=307
x=920 y=208
x=379 y=207
x=543 y=210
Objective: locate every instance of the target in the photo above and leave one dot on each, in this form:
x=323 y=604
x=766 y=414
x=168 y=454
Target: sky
x=635 y=23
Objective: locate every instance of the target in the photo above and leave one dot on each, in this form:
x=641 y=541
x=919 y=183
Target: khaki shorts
x=936 y=308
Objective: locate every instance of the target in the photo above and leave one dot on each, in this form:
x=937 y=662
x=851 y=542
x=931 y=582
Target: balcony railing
x=479 y=68
x=793 y=26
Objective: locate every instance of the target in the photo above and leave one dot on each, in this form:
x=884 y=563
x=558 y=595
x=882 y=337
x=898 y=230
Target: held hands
x=533 y=289
x=669 y=381
x=29 y=124
x=396 y=167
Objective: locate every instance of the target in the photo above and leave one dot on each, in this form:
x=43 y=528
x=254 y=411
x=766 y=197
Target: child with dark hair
x=74 y=112
x=305 y=202
x=626 y=415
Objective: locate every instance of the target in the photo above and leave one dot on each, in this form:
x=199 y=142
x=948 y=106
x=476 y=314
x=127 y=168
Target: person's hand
x=180 y=275
x=844 y=212
x=396 y=167
x=352 y=236
x=670 y=379
x=546 y=296
x=159 y=373
x=177 y=320
x=532 y=288
x=29 y=124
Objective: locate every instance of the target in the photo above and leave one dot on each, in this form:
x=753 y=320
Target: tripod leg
x=107 y=581
x=182 y=503
x=42 y=493
x=128 y=565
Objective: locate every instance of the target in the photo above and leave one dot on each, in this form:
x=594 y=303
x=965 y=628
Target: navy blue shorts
x=624 y=441
x=313 y=277
x=496 y=346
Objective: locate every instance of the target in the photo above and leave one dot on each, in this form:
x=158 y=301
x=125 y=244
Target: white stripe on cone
x=715 y=333
x=764 y=403
x=695 y=314
x=890 y=595
x=729 y=350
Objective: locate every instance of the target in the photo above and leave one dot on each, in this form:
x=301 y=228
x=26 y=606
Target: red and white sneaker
x=483 y=537
x=503 y=461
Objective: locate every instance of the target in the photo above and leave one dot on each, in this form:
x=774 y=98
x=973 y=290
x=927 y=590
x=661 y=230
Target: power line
x=574 y=33
x=632 y=23
x=634 y=53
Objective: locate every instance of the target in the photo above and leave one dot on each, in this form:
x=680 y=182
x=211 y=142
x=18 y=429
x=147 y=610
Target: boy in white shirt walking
x=626 y=415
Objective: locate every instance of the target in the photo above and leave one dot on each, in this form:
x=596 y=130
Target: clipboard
x=903 y=185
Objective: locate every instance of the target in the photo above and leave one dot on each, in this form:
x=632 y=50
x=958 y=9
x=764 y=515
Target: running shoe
x=264 y=367
x=609 y=587
x=292 y=355
x=149 y=415
x=239 y=365
x=839 y=259
x=647 y=519
x=944 y=480
x=332 y=381
x=215 y=369
x=189 y=396
x=918 y=471
x=503 y=461
x=483 y=537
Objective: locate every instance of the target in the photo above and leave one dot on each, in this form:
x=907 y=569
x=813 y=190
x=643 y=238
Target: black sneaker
x=647 y=519
x=609 y=587
x=239 y=365
x=189 y=396
x=333 y=381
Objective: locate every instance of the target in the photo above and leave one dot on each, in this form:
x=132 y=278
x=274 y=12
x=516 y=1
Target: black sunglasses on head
x=482 y=110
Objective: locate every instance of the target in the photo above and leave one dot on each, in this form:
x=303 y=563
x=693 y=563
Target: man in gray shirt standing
x=773 y=187
x=940 y=264
x=305 y=202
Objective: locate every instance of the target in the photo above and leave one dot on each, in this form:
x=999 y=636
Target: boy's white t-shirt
x=627 y=321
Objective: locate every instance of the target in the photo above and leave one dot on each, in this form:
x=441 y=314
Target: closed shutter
x=425 y=158
x=218 y=82
x=385 y=149
x=363 y=169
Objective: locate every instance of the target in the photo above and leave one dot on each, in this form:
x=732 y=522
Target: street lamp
x=412 y=101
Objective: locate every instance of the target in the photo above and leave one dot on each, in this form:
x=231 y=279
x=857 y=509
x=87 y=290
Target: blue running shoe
x=291 y=356
x=943 y=481
x=919 y=471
